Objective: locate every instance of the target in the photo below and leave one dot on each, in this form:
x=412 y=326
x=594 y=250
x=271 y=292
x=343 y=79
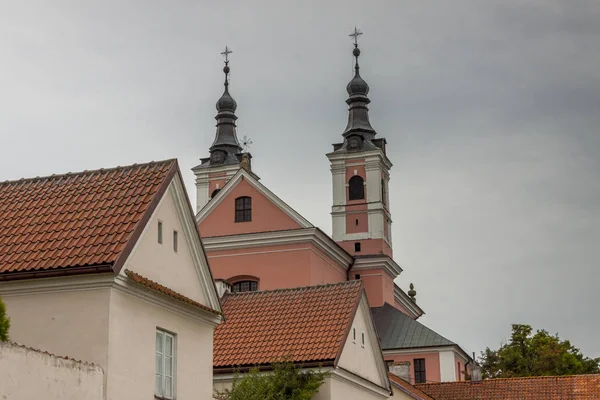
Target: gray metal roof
x=399 y=331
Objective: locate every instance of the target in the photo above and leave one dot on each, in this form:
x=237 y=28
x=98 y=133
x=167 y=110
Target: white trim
x=234 y=181
x=382 y=262
x=427 y=350
x=274 y=238
x=405 y=301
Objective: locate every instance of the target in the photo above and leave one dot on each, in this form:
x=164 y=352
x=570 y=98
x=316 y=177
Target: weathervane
x=246 y=143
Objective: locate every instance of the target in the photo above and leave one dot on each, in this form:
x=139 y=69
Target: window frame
x=159 y=237
x=162 y=376
x=356 y=190
x=243 y=209
x=250 y=283
x=175 y=241
x=421 y=373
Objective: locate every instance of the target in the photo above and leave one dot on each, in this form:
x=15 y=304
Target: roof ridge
x=509 y=379
x=88 y=172
x=322 y=285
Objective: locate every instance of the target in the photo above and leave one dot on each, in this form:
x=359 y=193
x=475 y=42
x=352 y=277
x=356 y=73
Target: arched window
x=356 y=188
x=214 y=193
x=243 y=209
x=244 y=286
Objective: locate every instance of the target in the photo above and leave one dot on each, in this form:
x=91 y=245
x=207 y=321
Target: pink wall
x=460 y=372
x=216 y=179
x=283 y=266
x=432 y=365
x=378 y=286
x=353 y=227
x=367 y=246
x=266 y=216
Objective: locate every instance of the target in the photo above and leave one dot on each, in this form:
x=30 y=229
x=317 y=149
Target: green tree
x=285 y=382
x=539 y=354
x=4 y=323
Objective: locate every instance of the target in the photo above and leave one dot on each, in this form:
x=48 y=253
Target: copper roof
x=76 y=221
x=304 y=325
x=150 y=284
x=576 y=387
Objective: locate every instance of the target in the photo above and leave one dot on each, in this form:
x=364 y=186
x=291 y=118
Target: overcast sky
x=491 y=110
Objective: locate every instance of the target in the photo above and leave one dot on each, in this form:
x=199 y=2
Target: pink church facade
x=255 y=241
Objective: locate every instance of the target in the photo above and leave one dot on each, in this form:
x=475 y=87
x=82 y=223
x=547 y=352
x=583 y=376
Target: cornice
x=431 y=349
x=390 y=266
x=311 y=235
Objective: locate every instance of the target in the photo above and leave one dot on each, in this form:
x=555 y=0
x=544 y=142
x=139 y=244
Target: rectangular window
x=357 y=276
x=420 y=370
x=165 y=365
x=175 y=241
x=160 y=232
x=357 y=247
x=363 y=338
x=243 y=209
x=459 y=372
x=354 y=334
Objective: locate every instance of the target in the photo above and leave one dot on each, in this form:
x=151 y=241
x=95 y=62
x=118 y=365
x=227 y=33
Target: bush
x=4 y=323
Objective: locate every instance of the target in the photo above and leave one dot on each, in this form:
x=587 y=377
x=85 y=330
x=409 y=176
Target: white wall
x=360 y=359
x=65 y=322
x=31 y=374
x=447 y=366
x=341 y=389
x=159 y=262
x=131 y=362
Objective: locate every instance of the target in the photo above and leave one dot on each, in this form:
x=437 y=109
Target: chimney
x=475 y=371
x=401 y=369
x=222 y=287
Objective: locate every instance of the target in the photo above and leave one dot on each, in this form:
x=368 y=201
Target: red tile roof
x=304 y=325
x=408 y=388
x=150 y=284
x=77 y=220
x=577 y=387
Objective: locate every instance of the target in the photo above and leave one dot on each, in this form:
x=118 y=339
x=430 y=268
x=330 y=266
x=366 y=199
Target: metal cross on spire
x=246 y=143
x=226 y=54
x=355 y=34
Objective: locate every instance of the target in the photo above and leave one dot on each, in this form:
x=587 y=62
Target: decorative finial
x=226 y=54
x=356 y=52
x=412 y=292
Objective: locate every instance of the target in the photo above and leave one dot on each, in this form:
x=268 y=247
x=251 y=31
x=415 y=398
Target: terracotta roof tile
x=408 y=388
x=75 y=219
x=576 y=387
x=306 y=324
x=139 y=279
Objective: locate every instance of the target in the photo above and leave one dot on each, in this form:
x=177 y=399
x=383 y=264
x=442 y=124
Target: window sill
x=157 y=397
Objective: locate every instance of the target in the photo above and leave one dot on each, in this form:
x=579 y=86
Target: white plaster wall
x=399 y=394
x=131 y=362
x=29 y=374
x=66 y=323
x=341 y=389
x=356 y=358
x=447 y=367
x=159 y=262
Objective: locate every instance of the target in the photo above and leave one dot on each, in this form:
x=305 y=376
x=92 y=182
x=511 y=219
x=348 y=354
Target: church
x=255 y=241
x=113 y=281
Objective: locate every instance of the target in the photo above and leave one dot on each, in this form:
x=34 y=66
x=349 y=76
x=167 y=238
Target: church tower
x=360 y=170
x=226 y=156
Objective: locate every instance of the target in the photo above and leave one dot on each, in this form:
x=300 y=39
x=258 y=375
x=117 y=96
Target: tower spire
x=358 y=89
x=225 y=147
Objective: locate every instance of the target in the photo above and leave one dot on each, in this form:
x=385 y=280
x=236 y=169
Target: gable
x=183 y=270
x=364 y=358
x=267 y=215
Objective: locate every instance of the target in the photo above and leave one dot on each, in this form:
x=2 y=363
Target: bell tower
x=360 y=172
x=226 y=155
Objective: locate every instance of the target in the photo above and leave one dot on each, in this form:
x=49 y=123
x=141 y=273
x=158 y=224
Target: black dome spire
x=226 y=147
x=358 y=89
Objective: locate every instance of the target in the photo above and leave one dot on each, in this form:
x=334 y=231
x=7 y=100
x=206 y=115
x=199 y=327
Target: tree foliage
x=4 y=323
x=285 y=382
x=539 y=354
